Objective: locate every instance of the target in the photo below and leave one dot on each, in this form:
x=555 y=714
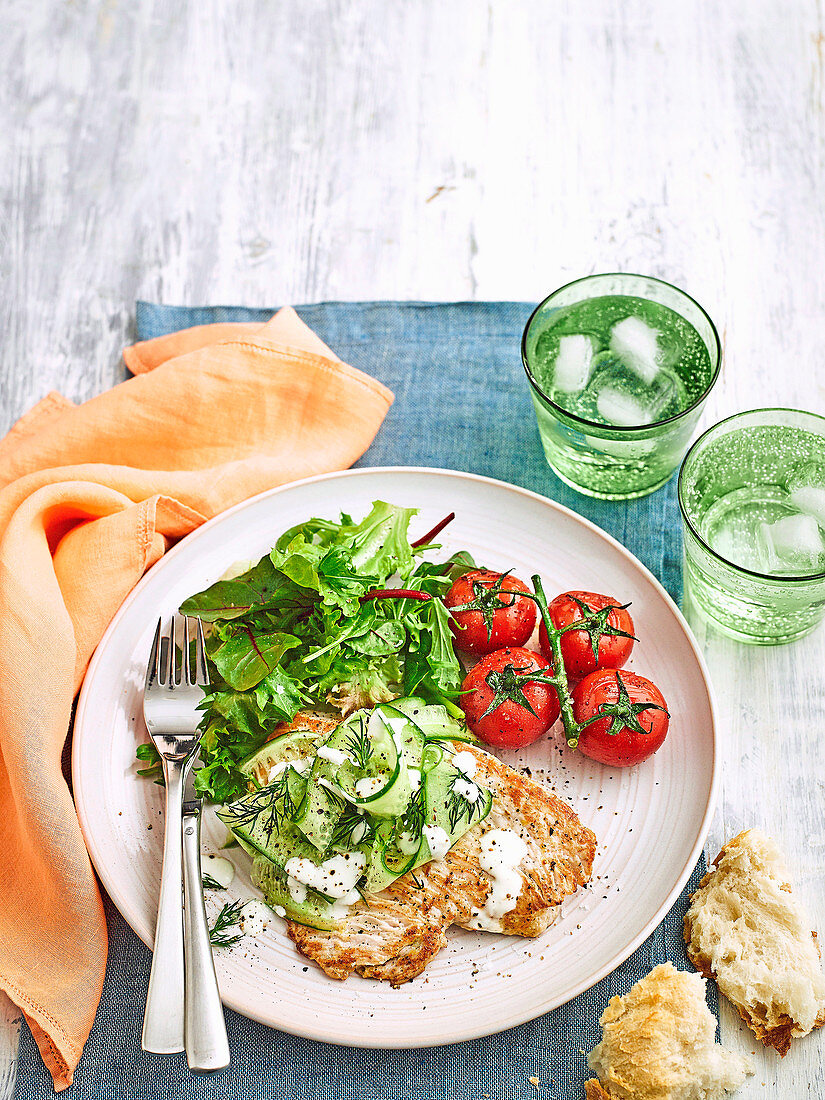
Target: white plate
x=650 y=821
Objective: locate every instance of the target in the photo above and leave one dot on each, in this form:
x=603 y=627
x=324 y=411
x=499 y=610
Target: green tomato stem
x=559 y=676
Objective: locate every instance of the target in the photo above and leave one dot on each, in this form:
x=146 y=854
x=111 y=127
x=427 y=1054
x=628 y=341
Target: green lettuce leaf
x=294 y=631
x=380 y=544
x=329 y=572
x=259 y=588
x=431 y=667
x=244 y=656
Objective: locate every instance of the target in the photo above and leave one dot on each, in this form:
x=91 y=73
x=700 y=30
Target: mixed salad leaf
x=299 y=629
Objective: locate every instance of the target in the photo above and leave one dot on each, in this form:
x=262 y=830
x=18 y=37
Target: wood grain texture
x=239 y=151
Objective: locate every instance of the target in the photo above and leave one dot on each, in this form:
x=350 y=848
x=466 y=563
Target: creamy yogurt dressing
x=297 y=890
x=335 y=756
x=282 y=765
x=438 y=840
x=465 y=763
x=367 y=786
x=220 y=869
x=335 y=877
x=467 y=789
x=502 y=851
x=256 y=916
x=341 y=906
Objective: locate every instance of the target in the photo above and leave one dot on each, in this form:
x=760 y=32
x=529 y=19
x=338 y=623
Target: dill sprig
x=458 y=805
x=359 y=745
x=221 y=934
x=265 y=808
x=210 y=883
x=349 y=826
x=413 y=819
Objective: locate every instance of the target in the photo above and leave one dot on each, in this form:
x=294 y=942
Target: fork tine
x=185 y=677
x=201 y=671
x=153 y=664
x=169 y=664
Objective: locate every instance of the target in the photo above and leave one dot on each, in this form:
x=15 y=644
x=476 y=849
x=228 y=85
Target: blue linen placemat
x=461 y=402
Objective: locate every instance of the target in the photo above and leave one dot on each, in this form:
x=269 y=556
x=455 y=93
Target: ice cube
x=637 y=345
x=806 y=490
x=623 y=409
x=735 y=543
x=810 y=499
x=628 y=449
x=806 y=474
x=791 y=544
x=666 y=395
x=574 y=364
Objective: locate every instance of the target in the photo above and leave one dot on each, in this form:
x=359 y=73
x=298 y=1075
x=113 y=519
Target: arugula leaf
x=321 y=531
x=431 y=667
x=327 y=572
x=340 y=584
x=445 y=671
x=436 y=577
x=378 y=546
x=378 y=639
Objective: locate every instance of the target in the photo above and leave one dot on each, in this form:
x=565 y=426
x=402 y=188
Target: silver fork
x=170 y=700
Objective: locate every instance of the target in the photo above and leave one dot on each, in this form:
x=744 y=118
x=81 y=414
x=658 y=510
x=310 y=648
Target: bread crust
x=778 y=1037
x=594 y=1091
x=658 y=1043
x=775 y=1029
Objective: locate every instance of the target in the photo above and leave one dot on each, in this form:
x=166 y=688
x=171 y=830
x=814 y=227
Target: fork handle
x=207 y=1048
x=163 y=1019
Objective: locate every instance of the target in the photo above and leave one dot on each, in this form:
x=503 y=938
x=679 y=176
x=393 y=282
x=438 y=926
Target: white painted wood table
x=255 y=153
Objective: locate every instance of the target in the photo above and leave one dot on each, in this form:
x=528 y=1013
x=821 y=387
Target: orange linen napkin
x=90 y=497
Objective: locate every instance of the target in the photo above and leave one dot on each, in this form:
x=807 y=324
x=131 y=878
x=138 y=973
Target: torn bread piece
x=658 y=1044
x=747 y=931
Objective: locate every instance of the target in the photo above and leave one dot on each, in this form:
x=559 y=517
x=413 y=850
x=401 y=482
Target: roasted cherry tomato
x=501 y=706
x=492 y=619
x=636 y=729
x=577 y=646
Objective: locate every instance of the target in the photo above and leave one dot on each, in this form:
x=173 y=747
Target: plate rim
x=467 y=1032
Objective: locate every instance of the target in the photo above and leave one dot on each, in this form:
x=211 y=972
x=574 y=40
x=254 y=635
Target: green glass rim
x=793 y=578
x=620 y=428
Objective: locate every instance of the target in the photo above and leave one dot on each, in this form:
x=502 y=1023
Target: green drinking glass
x=752 y=495
x=620 y=367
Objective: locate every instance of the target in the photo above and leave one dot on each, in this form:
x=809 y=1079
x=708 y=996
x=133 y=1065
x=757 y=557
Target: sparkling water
x=753 y=491
x=619 y=368
x=761 y=528
x=621 y=360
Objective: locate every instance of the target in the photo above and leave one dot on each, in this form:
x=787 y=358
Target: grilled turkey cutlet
x=392 y=935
